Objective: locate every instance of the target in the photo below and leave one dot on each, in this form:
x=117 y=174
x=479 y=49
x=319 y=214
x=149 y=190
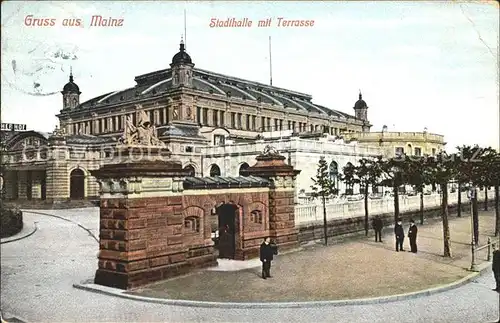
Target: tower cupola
x=71 y=93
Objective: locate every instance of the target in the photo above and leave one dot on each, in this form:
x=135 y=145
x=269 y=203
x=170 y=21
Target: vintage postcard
x=237 y=161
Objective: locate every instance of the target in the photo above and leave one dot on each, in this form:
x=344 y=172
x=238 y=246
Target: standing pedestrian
x=400 y=235
x=378 y=225
x=412 y=235
x=496 y=269
x=266 y=256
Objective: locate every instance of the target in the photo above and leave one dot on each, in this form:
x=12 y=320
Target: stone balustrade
x=295 y=144
x=310 y=213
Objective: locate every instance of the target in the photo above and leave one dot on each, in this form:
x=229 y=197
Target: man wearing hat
x=412 y=236
x=496 y=269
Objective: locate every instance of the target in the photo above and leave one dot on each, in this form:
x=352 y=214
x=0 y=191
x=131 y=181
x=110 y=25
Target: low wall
x=354 y=225
x=306 y=214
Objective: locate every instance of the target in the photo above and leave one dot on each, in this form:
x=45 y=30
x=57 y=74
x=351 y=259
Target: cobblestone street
x=38 y=273
x=359 y=268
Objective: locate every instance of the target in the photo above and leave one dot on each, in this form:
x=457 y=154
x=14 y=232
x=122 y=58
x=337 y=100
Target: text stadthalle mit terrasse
x=268 y=22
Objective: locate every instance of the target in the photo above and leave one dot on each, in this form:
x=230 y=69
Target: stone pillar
x=272 y=166
x=57 y=176
x=11 y=185
x=142 y=236
x=22 y=182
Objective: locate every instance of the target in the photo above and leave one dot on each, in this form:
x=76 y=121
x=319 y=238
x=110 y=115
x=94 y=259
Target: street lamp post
x=472 y=195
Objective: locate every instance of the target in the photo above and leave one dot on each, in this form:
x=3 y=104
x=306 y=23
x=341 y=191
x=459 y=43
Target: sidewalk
x=354 y=269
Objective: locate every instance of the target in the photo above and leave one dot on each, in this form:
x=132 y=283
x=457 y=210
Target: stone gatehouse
x=156 y=222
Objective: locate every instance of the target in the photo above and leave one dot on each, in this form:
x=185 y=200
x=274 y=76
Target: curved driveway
x=38 y=272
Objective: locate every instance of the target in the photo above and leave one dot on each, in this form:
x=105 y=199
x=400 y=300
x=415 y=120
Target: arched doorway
x=77 y=184
x=227 y=215
x=191 y=170
x=214 y=170
x=243 y=166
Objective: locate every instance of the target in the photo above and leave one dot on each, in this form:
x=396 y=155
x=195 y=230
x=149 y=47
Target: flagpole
x=185 y=30
x=270 y=64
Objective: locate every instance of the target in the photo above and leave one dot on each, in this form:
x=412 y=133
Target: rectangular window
x=233 y=120
x=215 y=118
x=263 y=123
x=281 y=124
x=219 y=140
x=222 y=119
x=248 y=122
x=239 y=120
x=198 y=115
x=254 y=122
x=418 y=151
x=293 y=126
x=268 y=125
x=151 y=115
x=205 y=117
x=433 y=151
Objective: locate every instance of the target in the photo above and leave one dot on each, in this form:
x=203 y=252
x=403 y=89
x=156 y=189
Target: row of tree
x=470 y=167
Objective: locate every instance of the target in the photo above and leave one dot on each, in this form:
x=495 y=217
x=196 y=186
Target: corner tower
x=361 y=112
x=182 y=68
x=71 y=93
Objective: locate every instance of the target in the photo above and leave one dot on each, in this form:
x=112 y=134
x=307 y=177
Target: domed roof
x=181 y=57
x=71 y=86
x=360 y=104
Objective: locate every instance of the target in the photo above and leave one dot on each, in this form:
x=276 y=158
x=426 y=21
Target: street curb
x=65 y=219
x=11 y=318
x=14 y=238
x=363 y=301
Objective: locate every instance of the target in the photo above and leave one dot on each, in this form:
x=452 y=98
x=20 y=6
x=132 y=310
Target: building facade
x=213 y=124
x=395 y=143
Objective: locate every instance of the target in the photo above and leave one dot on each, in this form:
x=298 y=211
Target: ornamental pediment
x=29 y=142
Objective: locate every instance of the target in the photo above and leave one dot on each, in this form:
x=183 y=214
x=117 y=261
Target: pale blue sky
x=418 y=64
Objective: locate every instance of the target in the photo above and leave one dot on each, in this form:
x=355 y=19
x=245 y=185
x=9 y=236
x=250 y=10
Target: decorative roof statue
x=270 y=151
x=58 y=132
x=144 y=134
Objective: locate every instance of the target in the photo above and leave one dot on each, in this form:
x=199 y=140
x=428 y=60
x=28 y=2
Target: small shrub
x=11 y=221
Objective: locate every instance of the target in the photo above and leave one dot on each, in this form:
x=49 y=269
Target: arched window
x=192 y=224
x=349 y=185
x=191 y=170
x=256 y=216
x=243 y=166
x=334 y=171
x=214 y=170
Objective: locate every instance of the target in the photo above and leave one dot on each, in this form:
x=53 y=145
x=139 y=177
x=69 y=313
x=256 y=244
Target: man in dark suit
x=400 y=235
x=378 y=225
x=412 y=235
x=267 y=252
x=496 y=269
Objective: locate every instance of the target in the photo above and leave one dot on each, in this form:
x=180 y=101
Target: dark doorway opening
x=77 y=184
x=191 y=170
x=214 y=171
x=227 y=230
